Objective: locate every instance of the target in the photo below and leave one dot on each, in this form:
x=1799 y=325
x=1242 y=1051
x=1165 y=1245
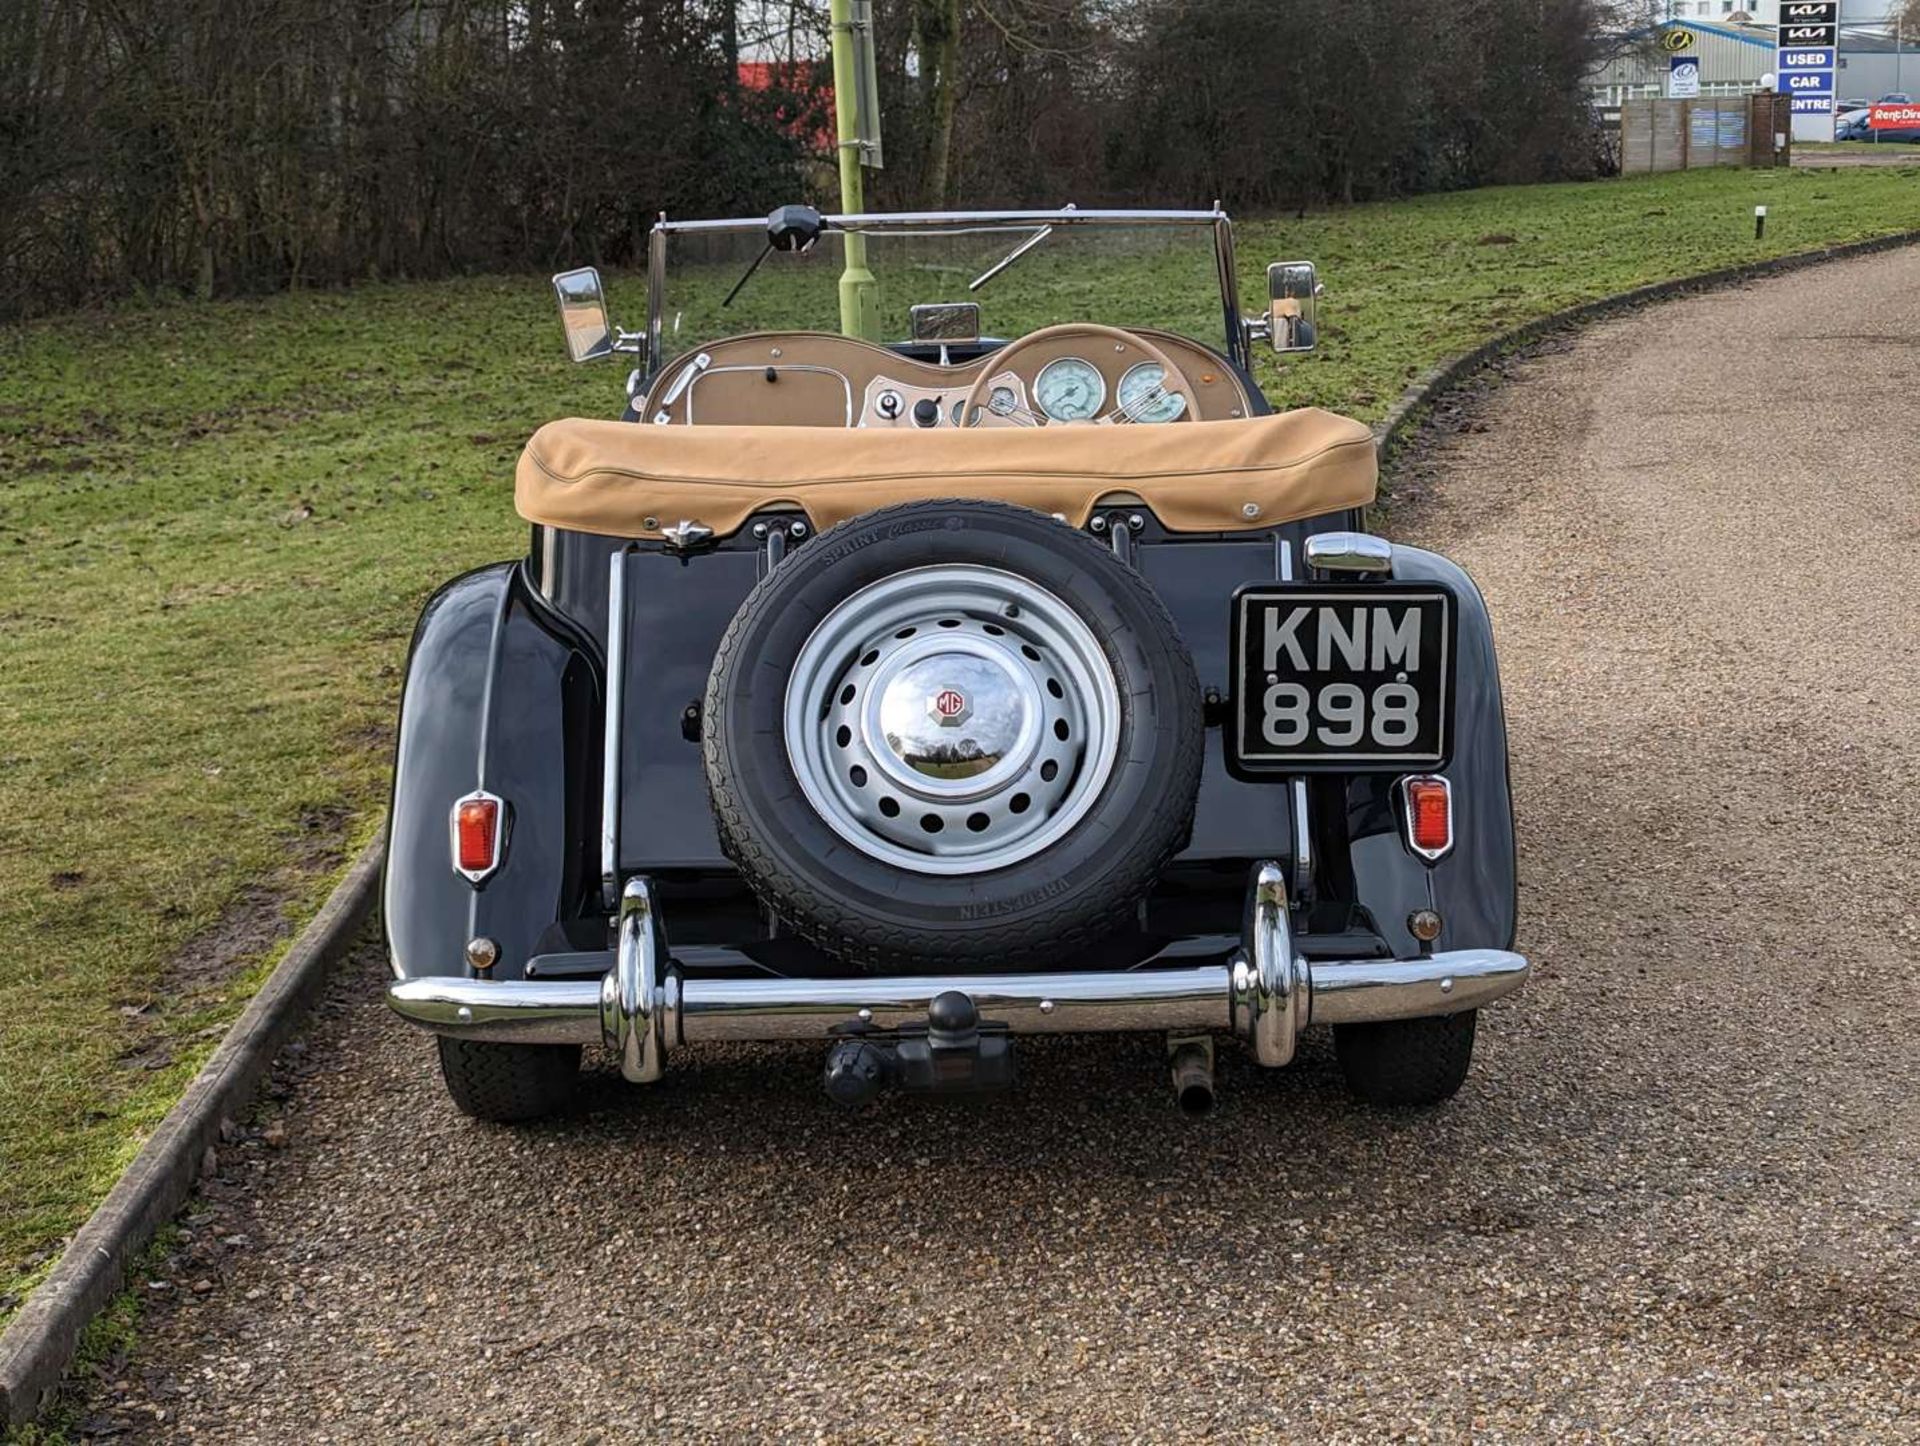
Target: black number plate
x=1353 y=679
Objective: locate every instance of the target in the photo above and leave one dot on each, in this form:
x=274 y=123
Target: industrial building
x=1737 y=56
x=1734 y=59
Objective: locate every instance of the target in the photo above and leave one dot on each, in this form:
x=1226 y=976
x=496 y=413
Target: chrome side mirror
x=583 y=314
x=1293 y=306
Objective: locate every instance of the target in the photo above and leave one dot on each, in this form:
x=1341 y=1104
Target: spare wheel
x=952 y=735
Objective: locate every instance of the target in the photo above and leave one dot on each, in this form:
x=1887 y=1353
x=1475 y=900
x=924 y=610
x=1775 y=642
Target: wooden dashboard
x=816 y=379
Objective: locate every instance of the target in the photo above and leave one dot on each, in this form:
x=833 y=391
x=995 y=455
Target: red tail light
x=476 y=835
x=1429 y=816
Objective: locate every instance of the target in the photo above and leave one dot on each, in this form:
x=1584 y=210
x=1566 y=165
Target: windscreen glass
x=1128 y=276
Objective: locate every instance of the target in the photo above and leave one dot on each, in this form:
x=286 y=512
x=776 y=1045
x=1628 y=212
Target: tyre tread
x=1401 y=1063
x=509 y=1083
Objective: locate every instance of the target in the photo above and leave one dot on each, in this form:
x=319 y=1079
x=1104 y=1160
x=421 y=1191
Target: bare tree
x=212 y=146
x=936 y=37
x=217 y=146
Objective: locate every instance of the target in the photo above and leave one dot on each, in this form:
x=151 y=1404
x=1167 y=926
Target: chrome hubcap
x=952 y=719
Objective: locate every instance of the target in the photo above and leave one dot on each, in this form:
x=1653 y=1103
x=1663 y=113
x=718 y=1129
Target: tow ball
x=953 y=1056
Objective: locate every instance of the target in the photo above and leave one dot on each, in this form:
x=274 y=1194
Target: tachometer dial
x=1070 y=390
x=1144 y=397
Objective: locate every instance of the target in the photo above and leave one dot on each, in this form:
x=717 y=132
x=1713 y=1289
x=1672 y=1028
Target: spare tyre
x=952 y=735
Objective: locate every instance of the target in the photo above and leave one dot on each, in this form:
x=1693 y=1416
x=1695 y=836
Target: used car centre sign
x=1808 y=40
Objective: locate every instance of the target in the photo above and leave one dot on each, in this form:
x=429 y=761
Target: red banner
x=1894 y=118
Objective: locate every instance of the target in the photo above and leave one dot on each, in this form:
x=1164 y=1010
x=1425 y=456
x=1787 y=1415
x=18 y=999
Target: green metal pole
x=859 y=292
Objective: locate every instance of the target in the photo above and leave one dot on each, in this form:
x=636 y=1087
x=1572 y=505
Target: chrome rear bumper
x=1267 y=993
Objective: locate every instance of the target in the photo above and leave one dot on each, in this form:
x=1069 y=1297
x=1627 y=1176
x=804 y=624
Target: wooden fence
x=1680 y=135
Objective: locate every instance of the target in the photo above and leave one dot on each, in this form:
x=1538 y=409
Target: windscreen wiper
x=1012 y=256
x=747 y=275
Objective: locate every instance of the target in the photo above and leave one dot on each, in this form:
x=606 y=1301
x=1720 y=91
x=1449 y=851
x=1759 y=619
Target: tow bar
x=953 y=1056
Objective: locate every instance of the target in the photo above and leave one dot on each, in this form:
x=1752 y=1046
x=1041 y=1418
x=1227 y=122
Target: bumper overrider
x=1265 y=993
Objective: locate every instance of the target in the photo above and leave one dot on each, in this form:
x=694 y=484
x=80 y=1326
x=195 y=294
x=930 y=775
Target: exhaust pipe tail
x=1193 y=1076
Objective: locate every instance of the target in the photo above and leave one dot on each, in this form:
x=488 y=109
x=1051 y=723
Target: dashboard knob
x=887 y=404
x=926 y=412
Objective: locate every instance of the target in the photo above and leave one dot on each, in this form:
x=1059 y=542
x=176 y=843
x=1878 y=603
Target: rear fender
x=1473 y=887
x=501 y=694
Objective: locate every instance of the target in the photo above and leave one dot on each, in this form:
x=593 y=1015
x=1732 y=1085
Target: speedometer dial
x=1070 y=390
x=1144 y=397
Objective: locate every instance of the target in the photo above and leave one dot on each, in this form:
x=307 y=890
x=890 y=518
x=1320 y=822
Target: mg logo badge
x=949 y=707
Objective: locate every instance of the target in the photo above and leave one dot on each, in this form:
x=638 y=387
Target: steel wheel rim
x=952 y=719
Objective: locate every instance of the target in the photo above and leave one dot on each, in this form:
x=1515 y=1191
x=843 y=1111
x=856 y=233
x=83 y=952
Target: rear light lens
x=476 y=835
x=1429 y=816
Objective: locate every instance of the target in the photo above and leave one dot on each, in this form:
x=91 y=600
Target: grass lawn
x=217 y=523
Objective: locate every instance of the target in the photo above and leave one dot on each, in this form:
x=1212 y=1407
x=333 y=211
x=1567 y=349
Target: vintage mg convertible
x=998 y=677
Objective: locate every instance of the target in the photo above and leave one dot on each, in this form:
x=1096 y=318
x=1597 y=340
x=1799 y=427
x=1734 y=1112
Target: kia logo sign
x=1824 y=12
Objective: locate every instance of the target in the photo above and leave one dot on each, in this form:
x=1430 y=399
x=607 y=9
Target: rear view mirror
x=583 y=314
x=945 y=321
x=1293 y=306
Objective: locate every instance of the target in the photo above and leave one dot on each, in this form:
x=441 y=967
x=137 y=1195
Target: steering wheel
x=1132 y=349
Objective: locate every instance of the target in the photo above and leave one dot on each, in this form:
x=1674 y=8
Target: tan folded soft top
x=627 y=479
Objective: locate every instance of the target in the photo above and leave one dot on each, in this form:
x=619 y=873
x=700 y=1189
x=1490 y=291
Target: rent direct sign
x=1894 y=118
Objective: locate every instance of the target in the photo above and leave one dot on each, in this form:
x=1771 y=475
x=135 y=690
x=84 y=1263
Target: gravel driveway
x=1679 y=1197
